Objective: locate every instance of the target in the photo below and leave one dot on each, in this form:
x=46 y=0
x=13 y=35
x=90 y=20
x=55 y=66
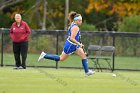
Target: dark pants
x=20 y=49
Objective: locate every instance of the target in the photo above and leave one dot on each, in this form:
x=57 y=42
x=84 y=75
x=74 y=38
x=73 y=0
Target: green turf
x=45 y=80
x=75 y=61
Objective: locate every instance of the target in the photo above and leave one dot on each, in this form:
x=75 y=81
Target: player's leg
x=55 y=57
x=81 y=53
x=63 y=56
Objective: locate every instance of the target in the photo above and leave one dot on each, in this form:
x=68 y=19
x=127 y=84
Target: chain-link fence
x=127 y=54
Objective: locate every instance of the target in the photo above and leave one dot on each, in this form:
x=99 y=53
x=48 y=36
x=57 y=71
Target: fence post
x=113 y=65
x=2 y=47
x=57 y=47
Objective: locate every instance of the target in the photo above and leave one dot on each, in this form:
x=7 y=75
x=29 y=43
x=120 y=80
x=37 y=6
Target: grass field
x=49 y=80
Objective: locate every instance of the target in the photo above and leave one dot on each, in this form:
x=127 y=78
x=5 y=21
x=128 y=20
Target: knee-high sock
x=52 y=57
x=85 y=65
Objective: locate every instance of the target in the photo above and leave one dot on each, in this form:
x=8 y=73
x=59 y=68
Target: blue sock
x=85 y=65
x=52 y=57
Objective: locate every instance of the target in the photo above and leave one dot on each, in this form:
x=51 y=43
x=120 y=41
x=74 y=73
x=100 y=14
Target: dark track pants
x=20 y=49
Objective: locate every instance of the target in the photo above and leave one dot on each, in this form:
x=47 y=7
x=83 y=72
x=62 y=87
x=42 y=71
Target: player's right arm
x=74 y=32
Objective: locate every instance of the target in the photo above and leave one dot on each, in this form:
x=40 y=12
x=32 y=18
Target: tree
x=130 y=24
x=121 y=7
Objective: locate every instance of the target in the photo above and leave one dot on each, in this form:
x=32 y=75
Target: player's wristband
x=78 y=44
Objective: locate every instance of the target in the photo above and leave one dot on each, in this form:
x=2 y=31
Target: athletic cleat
x=90 y=72
x=41 y=56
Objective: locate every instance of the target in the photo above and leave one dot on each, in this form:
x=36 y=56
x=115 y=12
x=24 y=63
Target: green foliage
x=87 y=27
x=78 y=6
x=130 y=24
x=4 y=21
x=101 y=20
x=103 y=15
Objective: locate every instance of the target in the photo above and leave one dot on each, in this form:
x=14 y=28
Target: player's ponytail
x=71 y=16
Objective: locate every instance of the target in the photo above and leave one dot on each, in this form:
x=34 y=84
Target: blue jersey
x=69 y=33
x=69 y=46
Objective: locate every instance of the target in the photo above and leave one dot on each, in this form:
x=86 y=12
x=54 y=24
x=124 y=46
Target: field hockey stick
x=83 y=46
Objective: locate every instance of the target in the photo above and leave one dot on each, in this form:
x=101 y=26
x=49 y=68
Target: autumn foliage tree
x=104 y=14
x=121 y=7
